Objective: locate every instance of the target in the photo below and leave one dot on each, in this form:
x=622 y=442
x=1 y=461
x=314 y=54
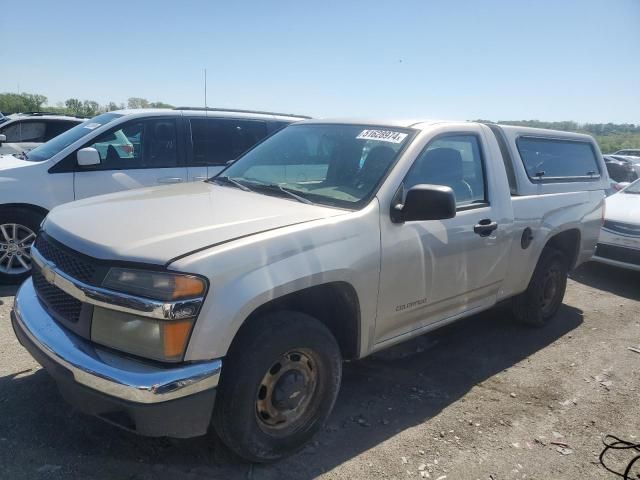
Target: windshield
x=338 y=165
x=55 y=145
x=633 y=188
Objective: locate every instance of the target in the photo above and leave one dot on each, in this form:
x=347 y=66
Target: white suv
x=116 y=151
x=24 y=131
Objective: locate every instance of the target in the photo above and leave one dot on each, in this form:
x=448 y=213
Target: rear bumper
x=147 y=398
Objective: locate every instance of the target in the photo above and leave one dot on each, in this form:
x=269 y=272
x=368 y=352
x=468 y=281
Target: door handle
x=170 y=180
x=199 y=179
x=485 y=227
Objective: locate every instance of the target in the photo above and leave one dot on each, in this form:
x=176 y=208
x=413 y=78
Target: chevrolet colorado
x=234 y=302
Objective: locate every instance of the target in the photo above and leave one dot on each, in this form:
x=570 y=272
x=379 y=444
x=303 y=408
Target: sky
x=452 y=59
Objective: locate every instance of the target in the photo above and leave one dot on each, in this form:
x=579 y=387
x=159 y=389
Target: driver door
x=435 y=270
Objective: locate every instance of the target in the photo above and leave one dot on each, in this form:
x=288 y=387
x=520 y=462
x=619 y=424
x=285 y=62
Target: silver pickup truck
x=233 y=302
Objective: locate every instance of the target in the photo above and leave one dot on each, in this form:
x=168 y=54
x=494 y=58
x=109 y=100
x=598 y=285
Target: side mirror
x=3 y=138
x=425 y=202
x=87 y=157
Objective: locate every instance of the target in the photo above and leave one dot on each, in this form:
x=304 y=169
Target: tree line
x=610 y=136
x=33 y=102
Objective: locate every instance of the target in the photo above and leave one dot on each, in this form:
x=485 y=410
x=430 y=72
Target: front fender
x=250 y=272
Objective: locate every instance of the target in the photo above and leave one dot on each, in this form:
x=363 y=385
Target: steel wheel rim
x=15 y=248
x=286 y=391
x=550 y=287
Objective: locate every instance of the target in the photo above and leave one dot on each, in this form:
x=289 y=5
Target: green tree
x=160 y=105
x=24 y=102
x=74 y=106
x=137 y=102
x=33 y=102
x=90 y=108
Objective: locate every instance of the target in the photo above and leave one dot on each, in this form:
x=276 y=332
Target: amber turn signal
x=175 y=337
x=187 y=287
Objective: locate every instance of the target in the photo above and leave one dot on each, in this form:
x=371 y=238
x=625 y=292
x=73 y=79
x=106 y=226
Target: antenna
x=206 y=119
x=205 y=89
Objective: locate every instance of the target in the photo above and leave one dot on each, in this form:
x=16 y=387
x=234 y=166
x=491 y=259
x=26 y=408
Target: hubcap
x=286 y=391
x=15 y=248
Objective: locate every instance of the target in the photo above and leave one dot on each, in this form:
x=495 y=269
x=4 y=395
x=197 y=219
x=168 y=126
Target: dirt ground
x=480 y=399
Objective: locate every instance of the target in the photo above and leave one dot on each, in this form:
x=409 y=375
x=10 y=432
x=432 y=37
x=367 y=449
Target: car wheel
x=543 y=297
x=18 y=229
x=279 y=383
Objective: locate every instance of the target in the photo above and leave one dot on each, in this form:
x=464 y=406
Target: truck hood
x=157 y=224
x=623 y=207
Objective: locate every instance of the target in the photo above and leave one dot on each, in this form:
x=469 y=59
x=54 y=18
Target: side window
x=56 y=127
x=454 y=161
x=116 y=148
x=216 y=141
x=548 y=158
x=160 y=146
x=138 y=144
x=25 y=132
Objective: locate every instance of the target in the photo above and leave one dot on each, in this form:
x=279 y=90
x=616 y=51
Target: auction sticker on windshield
x=382 y=136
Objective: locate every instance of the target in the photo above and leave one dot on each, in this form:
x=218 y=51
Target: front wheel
x=278 y=386
x=18 y=229
x=543 y=297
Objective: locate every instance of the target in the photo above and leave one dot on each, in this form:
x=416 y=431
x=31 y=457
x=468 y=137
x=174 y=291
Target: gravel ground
x=481 y=399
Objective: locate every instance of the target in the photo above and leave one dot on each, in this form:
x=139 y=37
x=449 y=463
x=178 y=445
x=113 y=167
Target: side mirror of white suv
x=88 y=156
x=3 y=138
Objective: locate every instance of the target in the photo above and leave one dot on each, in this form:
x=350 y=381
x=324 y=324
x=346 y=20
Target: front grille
x=70 y=264
x=60 y=303
x=619 y=254
x=623 y=228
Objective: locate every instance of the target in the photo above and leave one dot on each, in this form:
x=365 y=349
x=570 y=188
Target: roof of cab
x=543 y=132
x=377 y=122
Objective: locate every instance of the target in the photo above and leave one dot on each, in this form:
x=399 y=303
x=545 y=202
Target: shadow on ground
x=619 y=281
x=416 y=380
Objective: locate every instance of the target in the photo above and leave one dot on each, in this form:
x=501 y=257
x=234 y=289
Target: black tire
x=241 y=416
x=26 y=218
x=543 y=297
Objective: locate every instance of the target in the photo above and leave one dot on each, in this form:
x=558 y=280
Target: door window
x=57 y=127
x=216 y=141
x=141 y=144
x=25 y=132
x=454 y=161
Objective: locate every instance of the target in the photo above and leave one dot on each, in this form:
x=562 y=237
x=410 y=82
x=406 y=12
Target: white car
x=619 y=243
x=116 y=151
x=24 y=131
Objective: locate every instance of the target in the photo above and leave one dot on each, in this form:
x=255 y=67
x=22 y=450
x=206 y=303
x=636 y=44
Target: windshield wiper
x=275 y=186
x=231 y=181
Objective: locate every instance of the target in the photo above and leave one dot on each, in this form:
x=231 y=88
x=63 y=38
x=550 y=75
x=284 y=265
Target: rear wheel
x=543 y=297
x=18 y=229
x=278 y=386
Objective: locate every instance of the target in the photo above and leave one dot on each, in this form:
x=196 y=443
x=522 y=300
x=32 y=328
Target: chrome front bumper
x=102 y=370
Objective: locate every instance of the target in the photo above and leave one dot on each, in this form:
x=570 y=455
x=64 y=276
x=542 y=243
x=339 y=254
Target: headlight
x=159 y=339
x=156 y=285
x=164 y=340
